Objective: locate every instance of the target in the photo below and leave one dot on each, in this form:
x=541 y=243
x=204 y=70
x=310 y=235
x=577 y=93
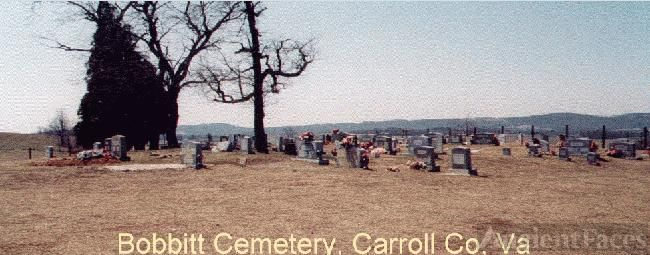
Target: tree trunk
x=172 y=118
x=261 y=144
x=154 y=142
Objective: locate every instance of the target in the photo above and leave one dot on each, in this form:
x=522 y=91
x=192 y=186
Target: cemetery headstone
x=385 y=142
x=592 y=159
x=360 y=160
x=563 y=154
x=49 y=151
x=461 y=161
x=97 y=149
x=280 y=144
x=578 y=146
x=97 y=146
x=246 y=145
x=437 y=142
x=221 y=146
x=307 y=149
x=456 y=139
x=107 y=144
x=417 y=141
x=427 y=155
x=534 y=150
x=290 y=147
x=192 y=155
x=118 y=145
x=484 y=138
x=507 y=138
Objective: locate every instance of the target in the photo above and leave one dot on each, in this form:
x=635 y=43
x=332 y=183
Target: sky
x=376 y=61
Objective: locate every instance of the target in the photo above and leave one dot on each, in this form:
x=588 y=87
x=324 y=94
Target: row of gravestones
x=116 y=145
x=581 y=147
x=461 y=159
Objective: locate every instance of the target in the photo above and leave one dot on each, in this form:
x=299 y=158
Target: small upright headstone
x=563 y=154
x=97 y=149
x=280 y=144
x=107 y=144
x=461 y=161
x=246 y=145
x=49 y=151
x=534 y=150
x=592 y=159
x=506 y=151
x=192 y=155
x=97 y=146
x=118 y=147
x=428 y=155
x=318 y=147
x=290 y=147
x=360 y=160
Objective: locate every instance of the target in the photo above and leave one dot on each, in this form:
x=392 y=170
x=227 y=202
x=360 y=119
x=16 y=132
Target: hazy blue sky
x=379 y=61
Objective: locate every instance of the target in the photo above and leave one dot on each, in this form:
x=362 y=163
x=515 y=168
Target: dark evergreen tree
x=124 y=94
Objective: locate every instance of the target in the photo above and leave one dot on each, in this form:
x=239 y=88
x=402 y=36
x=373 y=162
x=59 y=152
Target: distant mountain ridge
x=551 y=123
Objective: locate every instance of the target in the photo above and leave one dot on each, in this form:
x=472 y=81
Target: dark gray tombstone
x=534 y=150
x=563 y=154
x=49 y=151
x=484 y=138
x=318 y=147
x=506 y=151
x=592 y=158
x=192 y=155
x=427 y=154
x=578 y=146
x=118 y=147
x=290 y=147
x=461 y=161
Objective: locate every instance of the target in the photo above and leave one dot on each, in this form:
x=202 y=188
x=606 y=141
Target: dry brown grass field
x=81 y=209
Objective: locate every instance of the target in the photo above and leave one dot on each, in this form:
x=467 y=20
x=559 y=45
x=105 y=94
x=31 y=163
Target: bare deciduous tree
x=256 y=69
x=196 y=25
x=61 y=128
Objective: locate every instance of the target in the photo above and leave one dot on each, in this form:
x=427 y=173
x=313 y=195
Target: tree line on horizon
x=144 y=53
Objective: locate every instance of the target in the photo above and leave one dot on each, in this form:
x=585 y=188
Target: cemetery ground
x=81 y=209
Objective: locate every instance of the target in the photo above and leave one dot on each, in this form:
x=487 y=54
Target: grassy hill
x=13 y=141
x=550 y=123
